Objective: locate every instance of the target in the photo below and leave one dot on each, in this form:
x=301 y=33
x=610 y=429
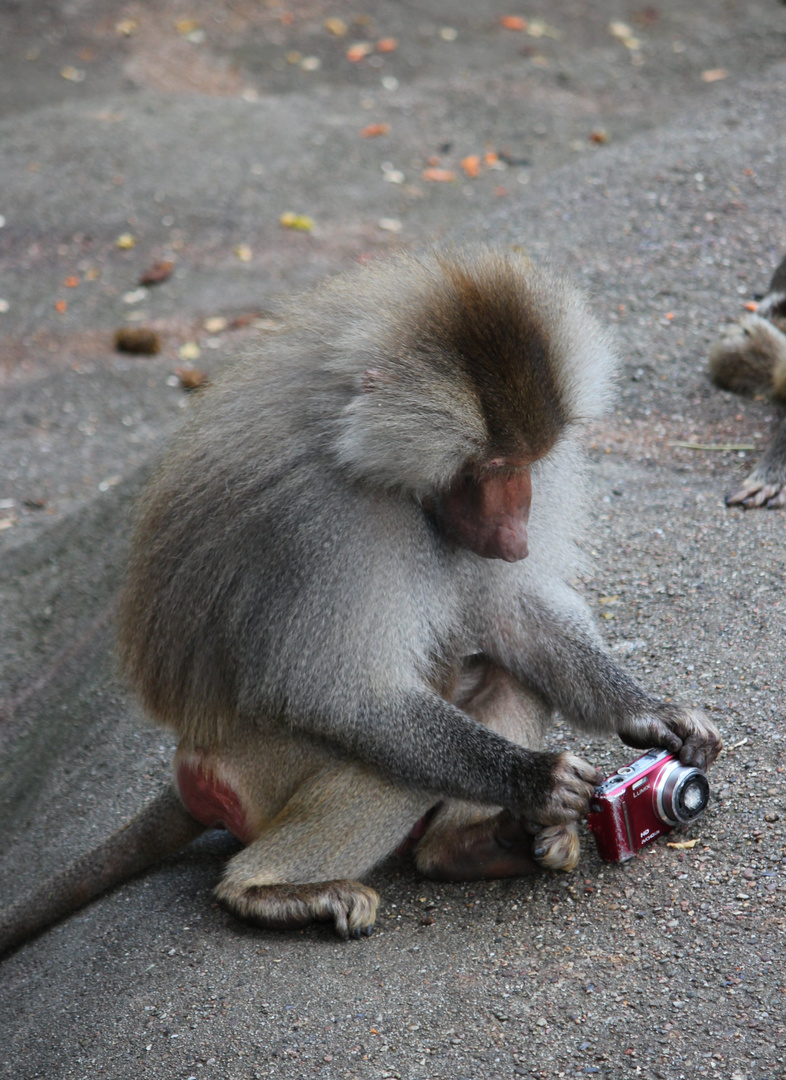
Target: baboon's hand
x=568 y=794
x=683 y=731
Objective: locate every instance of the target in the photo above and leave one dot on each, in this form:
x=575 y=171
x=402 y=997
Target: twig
x=736 y=745
x=712 y=446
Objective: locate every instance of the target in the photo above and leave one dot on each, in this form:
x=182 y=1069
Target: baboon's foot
x=757 y=493
x=556 y=847
x=350 y=906
x=496 y=847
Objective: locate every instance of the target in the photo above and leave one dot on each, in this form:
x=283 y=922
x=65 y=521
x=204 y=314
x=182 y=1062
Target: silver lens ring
x=674 y=783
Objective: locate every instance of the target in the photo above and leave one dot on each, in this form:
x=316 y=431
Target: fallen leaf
x=299 y=222
x=440 y=176
x=191 y=378
x=125 y=241
x=158 y=272
x=471 y=165
x=243 y=252
x=135 y=296
x=391 y=175
x=537 y=28
x=599 y=136
x=683 y=845
x=186 y=26
x=751 y=305
x=714 y=75
x=622 y=32
x=336 y=27
x=71 y=282
x=140 y=340
x=370 y=131
x=513 y=22
x=61 y=306
x=359 y=50
x=491 y=159
x=387 y=44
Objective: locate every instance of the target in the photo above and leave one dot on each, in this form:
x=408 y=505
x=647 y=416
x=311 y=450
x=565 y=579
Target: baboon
x=750 y=356
x=349 y=595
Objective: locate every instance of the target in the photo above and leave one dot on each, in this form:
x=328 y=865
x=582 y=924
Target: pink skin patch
x=416 y=832
x=210 y=801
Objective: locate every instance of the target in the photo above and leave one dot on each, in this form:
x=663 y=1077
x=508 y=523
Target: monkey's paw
x=757 y=492
x=567 y=797
x=557 y=847
x=349 y=905
x=686 y=732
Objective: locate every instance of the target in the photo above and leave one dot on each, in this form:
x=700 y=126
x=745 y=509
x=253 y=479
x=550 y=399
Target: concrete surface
x=195 y=137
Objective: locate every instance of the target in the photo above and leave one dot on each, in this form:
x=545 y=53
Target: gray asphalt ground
x=648 y=163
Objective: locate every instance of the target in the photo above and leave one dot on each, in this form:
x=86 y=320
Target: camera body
x=644 y=800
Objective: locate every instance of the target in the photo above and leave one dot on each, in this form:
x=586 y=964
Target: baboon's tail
x=161 y=829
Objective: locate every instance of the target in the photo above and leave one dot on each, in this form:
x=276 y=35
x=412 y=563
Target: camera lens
x=694 y=795
x=681 y=794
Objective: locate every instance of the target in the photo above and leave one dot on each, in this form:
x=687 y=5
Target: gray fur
x=298 y=609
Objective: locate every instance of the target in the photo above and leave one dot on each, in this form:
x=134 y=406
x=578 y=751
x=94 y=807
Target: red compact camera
x=646 y=799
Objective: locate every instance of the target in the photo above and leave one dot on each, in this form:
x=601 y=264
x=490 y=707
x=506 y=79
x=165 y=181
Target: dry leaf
x=125 y=241
x=684 y=845
x=140 y=340
x=191 y=378
x=471 y=165
x=387 y=44
x=513 y=22
x=359 y=50
x=158 y=272
x=372 y=130
x=300 y=222
x=336 y=27
x=439 y=175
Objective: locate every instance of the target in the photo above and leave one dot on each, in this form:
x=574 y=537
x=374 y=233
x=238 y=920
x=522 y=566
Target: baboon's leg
x=465 y=841
x=161 y=829
x=304 y=865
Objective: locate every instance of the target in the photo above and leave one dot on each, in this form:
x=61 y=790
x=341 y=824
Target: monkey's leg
x=304 y=865
x=766 y=485
x=466 y=841
x=161 y=829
